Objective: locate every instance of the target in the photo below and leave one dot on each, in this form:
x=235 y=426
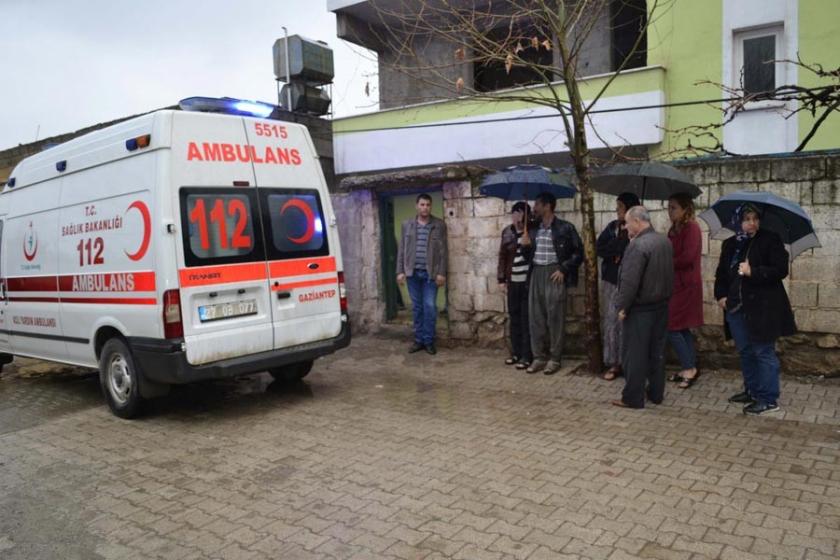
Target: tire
x=119 y=378
x=291 y=373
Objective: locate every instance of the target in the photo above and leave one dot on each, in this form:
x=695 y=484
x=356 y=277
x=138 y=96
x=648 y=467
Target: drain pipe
x=288 y=73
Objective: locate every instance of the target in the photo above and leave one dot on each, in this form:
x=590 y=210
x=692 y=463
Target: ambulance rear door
x=301 y=247
x=224 y=296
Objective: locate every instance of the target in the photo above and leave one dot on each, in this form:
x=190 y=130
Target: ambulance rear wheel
x=291 y=373
x=119 y=379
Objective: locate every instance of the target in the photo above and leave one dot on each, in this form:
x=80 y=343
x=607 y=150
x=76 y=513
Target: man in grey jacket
x=421 y=261
x=645 y=283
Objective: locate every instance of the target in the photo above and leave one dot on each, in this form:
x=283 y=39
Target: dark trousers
x=643 y=355
x=423 y=293
x=759 y=362
x=520 y=331
x=547 y=312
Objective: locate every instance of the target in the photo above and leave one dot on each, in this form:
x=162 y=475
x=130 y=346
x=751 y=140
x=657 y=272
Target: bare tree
x=541 y=42
x=820 y=102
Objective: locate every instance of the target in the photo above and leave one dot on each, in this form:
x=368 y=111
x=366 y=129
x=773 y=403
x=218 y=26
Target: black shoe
x=757 y=408
x=741 y=398
x=416 y=347
x=430 y=348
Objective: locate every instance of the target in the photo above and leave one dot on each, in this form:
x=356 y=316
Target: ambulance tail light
x=173 y=326
x=139 y=142
x=342 y=293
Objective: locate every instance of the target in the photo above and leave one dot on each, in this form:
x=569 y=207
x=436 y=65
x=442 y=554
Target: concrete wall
x=431 y=76
x=477 y=307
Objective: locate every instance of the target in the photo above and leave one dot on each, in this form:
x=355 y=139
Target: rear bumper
x=163 y=361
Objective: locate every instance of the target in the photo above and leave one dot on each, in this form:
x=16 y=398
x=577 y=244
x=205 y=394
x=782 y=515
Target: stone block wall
x=476 y=306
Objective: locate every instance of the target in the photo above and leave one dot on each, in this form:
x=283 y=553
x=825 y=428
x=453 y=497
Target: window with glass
x=219 y=226
x=294 y=223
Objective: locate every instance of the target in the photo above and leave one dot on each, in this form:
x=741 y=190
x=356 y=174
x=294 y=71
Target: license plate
x=219 y=311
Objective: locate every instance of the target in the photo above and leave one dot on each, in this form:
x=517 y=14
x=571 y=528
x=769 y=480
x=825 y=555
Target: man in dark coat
x=748 y=286
x=556 y=257
x=645 y=283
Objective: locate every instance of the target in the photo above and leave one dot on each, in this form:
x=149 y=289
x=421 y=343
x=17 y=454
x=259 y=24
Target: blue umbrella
x=525 y=182
x=778 y=214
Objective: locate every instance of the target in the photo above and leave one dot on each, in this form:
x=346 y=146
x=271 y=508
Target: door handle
x=284 y=295
x=312 y=266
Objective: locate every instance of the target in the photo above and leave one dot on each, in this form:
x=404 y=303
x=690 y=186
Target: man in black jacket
x=645 y=283
x=555 y=259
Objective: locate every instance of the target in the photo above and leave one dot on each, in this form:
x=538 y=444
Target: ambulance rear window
x=295 y=223
x=218 y=226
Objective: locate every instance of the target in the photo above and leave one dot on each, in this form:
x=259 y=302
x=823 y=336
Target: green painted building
x=646 y=109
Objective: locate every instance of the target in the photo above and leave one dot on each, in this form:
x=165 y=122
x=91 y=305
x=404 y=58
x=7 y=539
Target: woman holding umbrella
x=748 y=286
x=512 y=274
x=685 y=310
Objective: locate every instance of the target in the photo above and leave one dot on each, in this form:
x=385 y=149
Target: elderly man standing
x=557 y=255
x=645 y=282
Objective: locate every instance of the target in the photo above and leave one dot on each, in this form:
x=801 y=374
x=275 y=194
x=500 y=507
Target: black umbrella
x=778 y=214
x=648 y=180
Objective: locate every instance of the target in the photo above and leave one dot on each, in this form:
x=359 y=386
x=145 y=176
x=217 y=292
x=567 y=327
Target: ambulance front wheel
x=291 y=373
x=119 y=379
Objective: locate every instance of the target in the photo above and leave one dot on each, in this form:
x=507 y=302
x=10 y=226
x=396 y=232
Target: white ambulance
x=174 y=247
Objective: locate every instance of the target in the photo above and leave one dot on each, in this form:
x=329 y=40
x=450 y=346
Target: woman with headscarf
x=748 y=286
x=685 y=310
x=610 y=246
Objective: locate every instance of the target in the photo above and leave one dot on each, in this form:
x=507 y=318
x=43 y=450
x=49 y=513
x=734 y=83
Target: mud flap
x=151 y=390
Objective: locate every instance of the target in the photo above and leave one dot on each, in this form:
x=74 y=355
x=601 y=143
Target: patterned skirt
x=610 y=325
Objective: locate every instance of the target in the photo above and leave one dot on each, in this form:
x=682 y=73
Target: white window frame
x=777 y=31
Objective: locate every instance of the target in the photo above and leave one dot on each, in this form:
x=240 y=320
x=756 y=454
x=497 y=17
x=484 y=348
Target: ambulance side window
x=294 y=222
x=218 y=226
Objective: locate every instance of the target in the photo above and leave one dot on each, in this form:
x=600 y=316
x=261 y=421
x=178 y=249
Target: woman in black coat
x=610 y=246
x=748 y=286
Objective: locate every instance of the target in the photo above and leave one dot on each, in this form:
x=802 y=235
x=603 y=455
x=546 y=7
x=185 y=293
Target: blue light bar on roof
x=228 y=106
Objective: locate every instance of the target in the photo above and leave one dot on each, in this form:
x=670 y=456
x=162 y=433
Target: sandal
x=689 y=381
x=512 y=360
x=612 y=373
x=676 y=378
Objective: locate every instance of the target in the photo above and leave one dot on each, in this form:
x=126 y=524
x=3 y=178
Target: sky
x=68 y=64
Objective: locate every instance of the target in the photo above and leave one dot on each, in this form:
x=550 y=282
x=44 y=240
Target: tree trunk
x=579 y=151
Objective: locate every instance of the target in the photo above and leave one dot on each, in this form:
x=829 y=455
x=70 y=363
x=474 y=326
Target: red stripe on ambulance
x=305 y=284
x=224 y=274
x=141 y=281
x=108 y=282
x=298 y=267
